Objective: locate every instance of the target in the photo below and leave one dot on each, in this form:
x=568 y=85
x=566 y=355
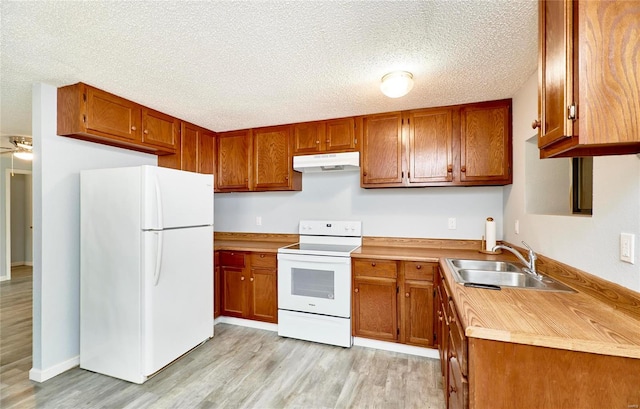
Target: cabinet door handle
x=535 y=124
x=251 y=279
x=449 y=168
x=452 y=389
x=356 y=290
x=133 y=128
x=406 y=295
x=463 y=169
x=317 y=142
x=364 y=173
x=242 y=278
x=146 y=132
x=327 y=141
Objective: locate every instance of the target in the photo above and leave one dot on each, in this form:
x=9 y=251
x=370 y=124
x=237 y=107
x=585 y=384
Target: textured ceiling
x=230 y=64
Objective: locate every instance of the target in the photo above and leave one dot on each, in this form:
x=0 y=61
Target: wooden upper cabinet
x=382 y=150
x=335 y=135
x=430 y=145
x=159 y=129
x=234 y=160
x=485 y=143
x=308 y=137
x=556 y=71
x=589 y=82
x=340 y=135
x=110 y=115
x=273 y=163
x=206 y=152
x=189 y=135
x=91 y=114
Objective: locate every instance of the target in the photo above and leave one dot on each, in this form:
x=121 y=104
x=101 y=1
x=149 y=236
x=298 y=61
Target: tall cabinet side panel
x=110 y=278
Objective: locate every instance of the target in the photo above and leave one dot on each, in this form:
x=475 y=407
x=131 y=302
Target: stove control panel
x=330 y=228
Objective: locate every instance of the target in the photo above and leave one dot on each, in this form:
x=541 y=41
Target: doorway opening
x=18 y=222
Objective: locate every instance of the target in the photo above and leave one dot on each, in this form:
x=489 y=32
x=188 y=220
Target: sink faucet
x=530 y=265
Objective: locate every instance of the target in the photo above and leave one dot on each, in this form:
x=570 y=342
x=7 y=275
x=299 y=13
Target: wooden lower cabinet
x=217 y=298
x=249 y=285
x=393 y=301
x=486 y=374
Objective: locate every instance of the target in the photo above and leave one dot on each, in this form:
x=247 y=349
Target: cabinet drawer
x=416 y=270
x=458 y=339
x=375 y=268
x=458 y=386
x=232 y=259
x=265 y=260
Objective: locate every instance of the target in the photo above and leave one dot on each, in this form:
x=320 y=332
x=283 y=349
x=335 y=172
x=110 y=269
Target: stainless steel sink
x=496 y=274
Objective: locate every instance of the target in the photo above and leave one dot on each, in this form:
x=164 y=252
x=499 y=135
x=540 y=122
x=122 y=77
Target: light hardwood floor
x=238 y=368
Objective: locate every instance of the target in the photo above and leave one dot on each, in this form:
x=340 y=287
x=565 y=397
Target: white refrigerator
x=146 y=268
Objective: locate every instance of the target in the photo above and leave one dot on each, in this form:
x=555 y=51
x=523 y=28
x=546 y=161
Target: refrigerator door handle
x=160 y=224
x=156 y=273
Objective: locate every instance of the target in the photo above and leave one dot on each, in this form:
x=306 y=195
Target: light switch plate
x=627 y=247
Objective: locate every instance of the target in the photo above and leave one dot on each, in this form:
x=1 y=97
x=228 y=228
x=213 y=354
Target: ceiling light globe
x=23 y=155
x=396 y=84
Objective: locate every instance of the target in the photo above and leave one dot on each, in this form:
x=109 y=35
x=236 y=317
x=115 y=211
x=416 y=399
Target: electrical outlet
x=452 y=223
x=258 y=220
x=627 y=246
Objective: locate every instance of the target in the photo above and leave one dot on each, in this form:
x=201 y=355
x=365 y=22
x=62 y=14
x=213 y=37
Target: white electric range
x=314 y=282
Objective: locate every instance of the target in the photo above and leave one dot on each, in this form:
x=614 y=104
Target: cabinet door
x=217 y=290
x=272 y=156
x=233 y=292
x=485 y=143
x=206 y=152
x=308 y=137
x=382 y=150
x=375 y=308
x=556 y=71
x=159 y=129
x=234 y=160
x=264 y=299
x=418 y=313
x=109 y=115
x=430 y=146
x=340 y=135
x=189 y=135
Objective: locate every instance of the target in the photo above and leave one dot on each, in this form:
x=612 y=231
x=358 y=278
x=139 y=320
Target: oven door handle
x=304 y=258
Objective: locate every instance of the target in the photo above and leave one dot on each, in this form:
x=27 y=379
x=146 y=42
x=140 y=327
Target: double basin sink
x=497 y=274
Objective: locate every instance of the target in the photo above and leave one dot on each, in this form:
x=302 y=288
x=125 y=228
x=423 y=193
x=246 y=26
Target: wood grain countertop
x=571 y=321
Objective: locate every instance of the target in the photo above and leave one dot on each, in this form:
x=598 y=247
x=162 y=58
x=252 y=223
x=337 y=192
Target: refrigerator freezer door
x=177 y=296
x=174 y=198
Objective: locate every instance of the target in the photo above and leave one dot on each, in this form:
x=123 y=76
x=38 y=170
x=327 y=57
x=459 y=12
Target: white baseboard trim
x=246 y=323
x=28 y=263
x=17 y=263
x=4 y=278
x=394 y=347
x=41 y=375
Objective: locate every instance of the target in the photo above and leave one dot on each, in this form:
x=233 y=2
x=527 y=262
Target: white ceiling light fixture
x=24 y=155
x=23 y=147
x=396 y=84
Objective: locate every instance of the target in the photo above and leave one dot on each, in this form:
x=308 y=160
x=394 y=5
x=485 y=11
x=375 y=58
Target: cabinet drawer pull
x=418 y=266
x=373 y=264
x=535 y=124
x=261 y=255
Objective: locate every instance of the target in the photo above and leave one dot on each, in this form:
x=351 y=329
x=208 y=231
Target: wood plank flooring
x=239 y=368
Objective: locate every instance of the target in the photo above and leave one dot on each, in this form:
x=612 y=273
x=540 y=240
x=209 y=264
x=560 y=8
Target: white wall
x=5 y=164
x=401 y=212
x=588 y=243
x=56 y=218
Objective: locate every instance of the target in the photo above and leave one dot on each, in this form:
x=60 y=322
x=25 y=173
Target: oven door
x=315 y=284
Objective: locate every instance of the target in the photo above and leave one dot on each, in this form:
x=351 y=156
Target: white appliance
x=347 y=161
x=314 y=282
x=146 y=268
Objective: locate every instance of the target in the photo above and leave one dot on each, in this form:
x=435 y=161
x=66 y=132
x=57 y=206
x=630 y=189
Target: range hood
x=328 y=162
